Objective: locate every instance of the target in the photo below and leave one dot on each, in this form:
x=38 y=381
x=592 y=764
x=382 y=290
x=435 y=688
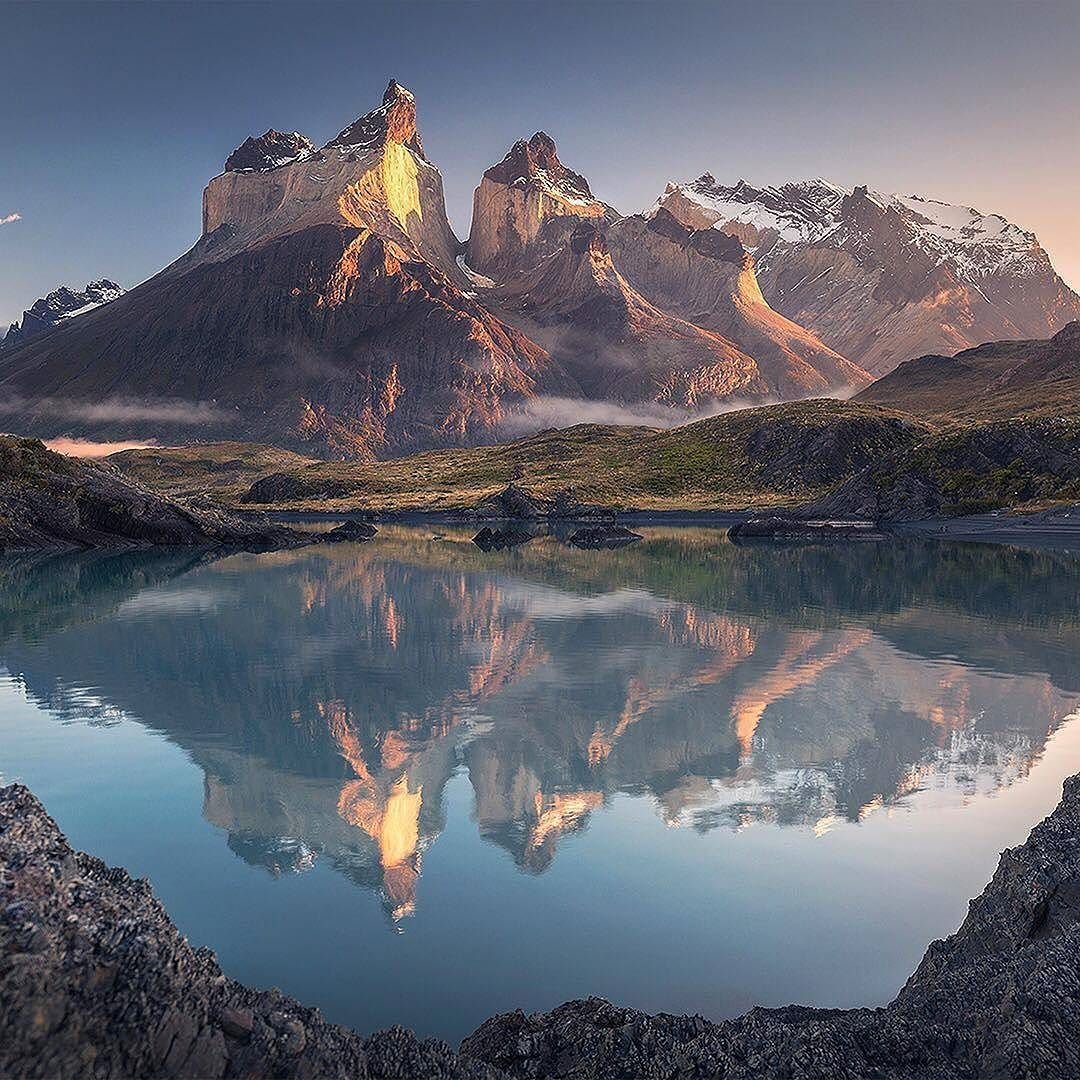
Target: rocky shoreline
x=95 y=980
x=52 y=502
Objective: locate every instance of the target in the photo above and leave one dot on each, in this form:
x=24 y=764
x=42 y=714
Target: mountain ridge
x=884 y=277
x=60 y=304
x=329 y=308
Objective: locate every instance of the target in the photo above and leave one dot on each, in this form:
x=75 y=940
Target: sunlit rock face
x=883 y=278
x=373 y=176
x=708 y=278
x=725 y=685
x=612 y=341
x=322 y=309
x=525 y=207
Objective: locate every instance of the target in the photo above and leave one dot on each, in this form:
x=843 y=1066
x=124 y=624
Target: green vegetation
x=776 y=455
x=844 y=458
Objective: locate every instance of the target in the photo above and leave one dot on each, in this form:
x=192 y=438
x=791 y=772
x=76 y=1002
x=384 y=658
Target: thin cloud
x=560 y=412
x=117 y=410
x=91 y=448
x=10 y=218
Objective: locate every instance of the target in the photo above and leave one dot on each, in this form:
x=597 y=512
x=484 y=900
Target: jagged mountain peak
x=816 y=210
x=269 y=151
x=884 y=277
x=526 y=206
x=59 y=306
x=536 y=160
x=393 y=121
x=373 y=175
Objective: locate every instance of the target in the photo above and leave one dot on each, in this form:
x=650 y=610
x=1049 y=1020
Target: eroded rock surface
x=526 y=206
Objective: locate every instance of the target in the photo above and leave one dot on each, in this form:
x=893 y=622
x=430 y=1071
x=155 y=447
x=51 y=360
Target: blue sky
x=114 y=116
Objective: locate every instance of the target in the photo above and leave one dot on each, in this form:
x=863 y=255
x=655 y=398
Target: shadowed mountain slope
x=995 y=380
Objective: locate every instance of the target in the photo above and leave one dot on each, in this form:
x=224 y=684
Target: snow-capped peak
x=60 y=305
x=817 y=211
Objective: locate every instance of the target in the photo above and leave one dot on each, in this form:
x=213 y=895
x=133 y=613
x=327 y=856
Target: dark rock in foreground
x=488 y=539
x=604 y=536
x=1000 y=998
x=96 y=980
x=51 y=501
x=787 y=530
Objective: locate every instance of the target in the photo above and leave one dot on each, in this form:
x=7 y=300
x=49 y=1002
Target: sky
x=114 y=116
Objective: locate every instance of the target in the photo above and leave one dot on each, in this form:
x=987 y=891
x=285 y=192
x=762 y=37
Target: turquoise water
x=412 y=783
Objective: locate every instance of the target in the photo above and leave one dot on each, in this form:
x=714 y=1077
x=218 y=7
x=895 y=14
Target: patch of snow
x=811 y=212
x=82 y=310
x=476 y=279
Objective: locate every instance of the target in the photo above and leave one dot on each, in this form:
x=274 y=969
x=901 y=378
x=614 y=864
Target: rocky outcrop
x=963 y=470
x=881 y=278
x=708 y=278
x=1001 y=997
x=516 y=503
x=59 y=305
x=513 y=502
x=51 y=501
x=93 y=975
x=611 y=341
x=526 y=206
x=394 y=121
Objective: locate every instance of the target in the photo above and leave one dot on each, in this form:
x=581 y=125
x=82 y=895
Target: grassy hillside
x=224 y=470
x=967 y=469
x=995 y=381
x=773 y=455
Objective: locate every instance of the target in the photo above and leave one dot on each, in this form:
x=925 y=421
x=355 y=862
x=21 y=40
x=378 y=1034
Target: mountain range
x=62 y=303
x=329 y=308
x=882 y=278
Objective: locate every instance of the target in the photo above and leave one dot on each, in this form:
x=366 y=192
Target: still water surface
x=412 y=783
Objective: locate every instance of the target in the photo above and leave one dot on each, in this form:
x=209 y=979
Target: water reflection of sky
x=684 y=775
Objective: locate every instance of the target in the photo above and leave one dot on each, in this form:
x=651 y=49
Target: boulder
x=788 y=530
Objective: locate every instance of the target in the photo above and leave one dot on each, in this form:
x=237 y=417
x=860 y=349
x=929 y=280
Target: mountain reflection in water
x=329 y=695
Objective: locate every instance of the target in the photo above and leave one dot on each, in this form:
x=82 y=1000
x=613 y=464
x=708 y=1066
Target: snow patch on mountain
x=817 y=212
x=60 y=305
x=803 y=211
